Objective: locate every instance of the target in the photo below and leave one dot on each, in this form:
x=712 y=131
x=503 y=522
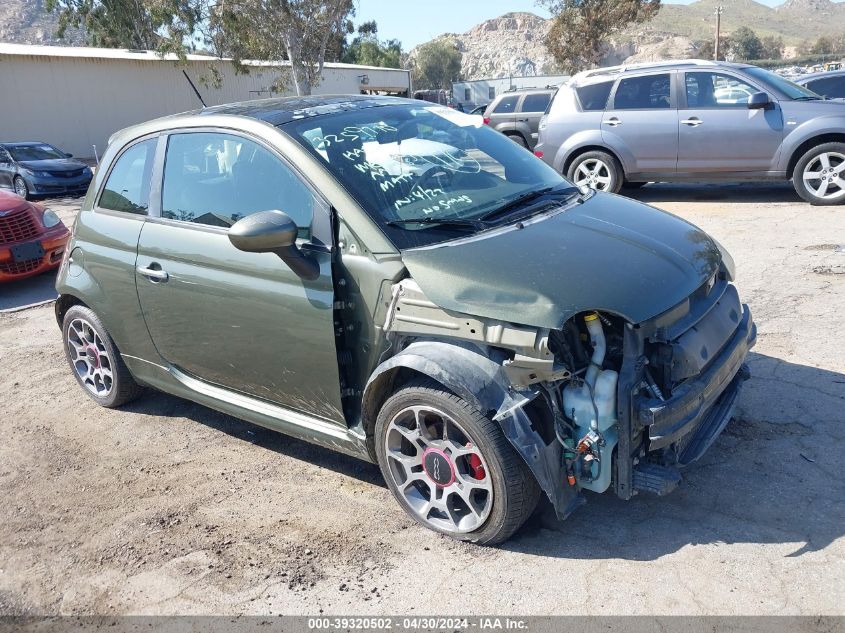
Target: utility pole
x=719 y=10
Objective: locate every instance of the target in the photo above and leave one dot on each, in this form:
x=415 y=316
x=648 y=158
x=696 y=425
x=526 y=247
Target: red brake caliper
x=475 y=465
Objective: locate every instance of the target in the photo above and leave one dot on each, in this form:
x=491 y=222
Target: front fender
x=817 y=126
x=470 y=373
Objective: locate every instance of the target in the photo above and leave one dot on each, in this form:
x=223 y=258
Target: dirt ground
x=167 y=507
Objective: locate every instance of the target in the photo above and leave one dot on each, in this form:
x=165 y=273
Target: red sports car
x=32 y=238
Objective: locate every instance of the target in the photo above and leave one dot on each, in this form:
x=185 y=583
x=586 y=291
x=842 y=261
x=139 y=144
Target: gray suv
x=695 y=121
x=517 y=114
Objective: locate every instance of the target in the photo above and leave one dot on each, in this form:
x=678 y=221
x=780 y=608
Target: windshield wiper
x=525 y=199
x=808 y=98
x=457 y=222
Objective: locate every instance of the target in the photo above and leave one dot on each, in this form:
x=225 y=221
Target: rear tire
x=95 y=360
x=479 y=465
x=597 y=170
x=518 y=139
x=819 y=175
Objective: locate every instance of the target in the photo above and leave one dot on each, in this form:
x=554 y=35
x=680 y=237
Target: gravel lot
x=167 y=507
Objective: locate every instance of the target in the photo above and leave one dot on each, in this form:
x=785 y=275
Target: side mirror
x=273 y=232
x=68 y=155
x=759 y=101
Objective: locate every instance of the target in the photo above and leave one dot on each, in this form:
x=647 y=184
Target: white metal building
x=482 y=91
x=75 y=97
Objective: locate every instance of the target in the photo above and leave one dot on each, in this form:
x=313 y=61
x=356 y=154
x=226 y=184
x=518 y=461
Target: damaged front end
x=598 y=403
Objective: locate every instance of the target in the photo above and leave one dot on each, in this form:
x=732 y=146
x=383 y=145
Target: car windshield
x=23 y=153
x=787 y=88
x=425 y=172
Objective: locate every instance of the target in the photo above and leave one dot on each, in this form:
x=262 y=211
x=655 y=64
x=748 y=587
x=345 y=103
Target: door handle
x=693 y=122
x=522 y=120
x=613 y=122
x=153 y=274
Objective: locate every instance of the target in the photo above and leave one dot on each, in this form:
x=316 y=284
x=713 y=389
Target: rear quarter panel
x=567 y=129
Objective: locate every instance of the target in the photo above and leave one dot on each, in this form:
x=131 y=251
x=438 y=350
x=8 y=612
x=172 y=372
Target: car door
x=641 y=123
x=238 y=320
x=718 y=132
x=530 y=111
x=6 y=168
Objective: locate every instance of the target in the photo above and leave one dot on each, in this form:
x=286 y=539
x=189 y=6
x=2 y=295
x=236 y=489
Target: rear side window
x=128 y=186
x=536 y=103
x=651 y=92
x=508 y=104
x=594 y=97
x=216 y=179
x=830 y=87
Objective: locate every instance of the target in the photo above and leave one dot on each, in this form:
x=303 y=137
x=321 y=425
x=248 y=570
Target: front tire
x=21 y=188
x=95 y=360
x=597 y=170
x=450 y=467
x=819 y=176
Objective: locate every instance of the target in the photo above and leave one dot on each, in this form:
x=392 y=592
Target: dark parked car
x=830 y=84
x=39 y=169
x=517 y=113
x=397 y=281
x=695 y=120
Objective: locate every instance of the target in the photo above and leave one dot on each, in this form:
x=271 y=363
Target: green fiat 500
x=399 y=282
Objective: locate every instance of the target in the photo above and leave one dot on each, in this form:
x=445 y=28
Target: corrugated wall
x=76 y=103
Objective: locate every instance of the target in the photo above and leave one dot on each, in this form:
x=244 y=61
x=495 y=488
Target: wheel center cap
x=438 y=466
x=93 y=355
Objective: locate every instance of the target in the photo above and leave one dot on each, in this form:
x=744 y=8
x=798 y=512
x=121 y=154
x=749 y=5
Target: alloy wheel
x=21 y=188
x=438 y=470
x=824 y=176
x=89 y=357
x=595 y=174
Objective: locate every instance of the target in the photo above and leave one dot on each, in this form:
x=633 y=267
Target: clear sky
x=413 y=22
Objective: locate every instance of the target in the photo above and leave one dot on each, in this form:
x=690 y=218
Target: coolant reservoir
x=578 y=406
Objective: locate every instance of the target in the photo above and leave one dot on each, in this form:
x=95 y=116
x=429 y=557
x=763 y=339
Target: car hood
x=53 y=164
x=809 y=109
x=608 y=253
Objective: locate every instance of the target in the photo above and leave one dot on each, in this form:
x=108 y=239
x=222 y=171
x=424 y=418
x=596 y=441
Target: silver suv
x=517 y=114
x=695 y=121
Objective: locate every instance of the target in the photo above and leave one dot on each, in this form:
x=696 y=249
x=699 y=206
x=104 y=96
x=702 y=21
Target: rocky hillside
x=25 y=22
x=513 y=43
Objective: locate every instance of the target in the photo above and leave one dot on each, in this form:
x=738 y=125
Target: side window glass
x=506 y=105
x=594 y=97
x=535 y=103
x=651 y=92
x=4 y=156
x=830 y=87
x=217 y=179
x=127 y=188
x=715 y=90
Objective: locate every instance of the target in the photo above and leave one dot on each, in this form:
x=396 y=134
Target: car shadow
x=160 y=404
x=773 y=476
x=715 y=192
x=15 y=295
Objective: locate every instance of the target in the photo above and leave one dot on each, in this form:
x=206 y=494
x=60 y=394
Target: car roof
x=525 y=91
x=24 y=144
x=611 y=72
x=819 y=75
x=281 y=110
